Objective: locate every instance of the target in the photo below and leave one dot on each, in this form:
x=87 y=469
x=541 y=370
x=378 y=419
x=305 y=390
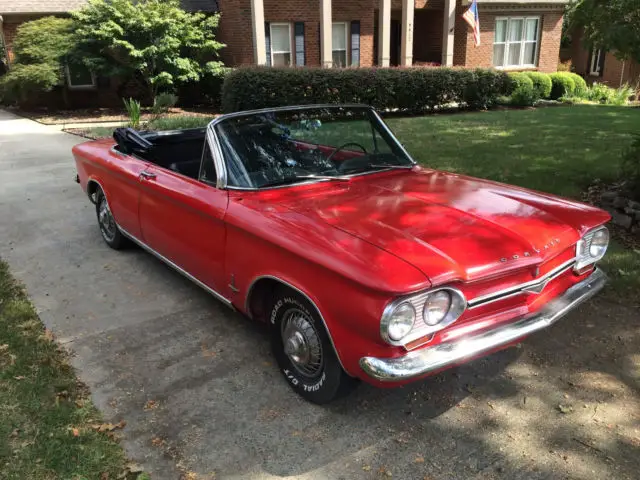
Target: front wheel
x=108 y=228
x=304 y=351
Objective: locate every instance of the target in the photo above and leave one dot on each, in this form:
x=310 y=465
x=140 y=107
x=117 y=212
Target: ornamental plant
x=153 y=40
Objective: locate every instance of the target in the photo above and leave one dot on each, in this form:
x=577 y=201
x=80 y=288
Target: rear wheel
x=108 y=228
x=304 y=351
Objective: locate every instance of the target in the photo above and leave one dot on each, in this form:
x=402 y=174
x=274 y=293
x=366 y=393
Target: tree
x=610 y=24
x=154 y=40
x=41 y=49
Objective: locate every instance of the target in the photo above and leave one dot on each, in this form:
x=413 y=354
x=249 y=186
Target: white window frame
x=290 y=52
x=522 y=42
x=71 y=86
x=346 y=42
x=594 y=62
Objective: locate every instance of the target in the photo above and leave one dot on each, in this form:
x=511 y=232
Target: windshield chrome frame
x=221 y=165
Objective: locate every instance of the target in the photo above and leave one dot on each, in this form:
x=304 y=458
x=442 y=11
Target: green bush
x=599 y=92
x=411 y=90
x=563 y=85
x=580 y=85
x=24 y=81
x=631 y=168
x=524 y=93
x=541 y=83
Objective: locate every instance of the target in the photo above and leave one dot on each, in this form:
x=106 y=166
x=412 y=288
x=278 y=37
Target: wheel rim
x=106 y=221
x=302 y=343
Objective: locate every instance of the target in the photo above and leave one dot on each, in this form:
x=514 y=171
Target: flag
x=472 y=18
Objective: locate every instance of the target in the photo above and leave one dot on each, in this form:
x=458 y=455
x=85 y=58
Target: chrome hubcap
x=105 y=218
x=301 y=342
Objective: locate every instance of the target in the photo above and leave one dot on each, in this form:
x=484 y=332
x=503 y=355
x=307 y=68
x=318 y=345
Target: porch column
x=406 y=50
x=257 y=24
x=384 y=29
x=326 y=53
x=448 y=29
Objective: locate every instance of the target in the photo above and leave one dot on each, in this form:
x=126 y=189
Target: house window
x=516 y=42
x=79 y=76
x=280 y=44
x=339 y=44
x=595 y=62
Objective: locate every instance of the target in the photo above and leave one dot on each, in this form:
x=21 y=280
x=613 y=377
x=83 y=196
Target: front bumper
x=430 y=359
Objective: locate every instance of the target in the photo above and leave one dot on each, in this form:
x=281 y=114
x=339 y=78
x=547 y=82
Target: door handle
x=147 y=175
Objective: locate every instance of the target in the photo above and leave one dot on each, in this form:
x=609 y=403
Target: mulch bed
x=59 y=117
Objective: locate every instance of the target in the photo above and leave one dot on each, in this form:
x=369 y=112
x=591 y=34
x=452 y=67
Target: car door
x=182 y=219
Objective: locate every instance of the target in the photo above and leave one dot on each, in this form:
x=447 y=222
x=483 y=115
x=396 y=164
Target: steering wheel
x=341 y=147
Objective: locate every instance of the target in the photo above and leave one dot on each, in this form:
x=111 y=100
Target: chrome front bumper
x=429 y=359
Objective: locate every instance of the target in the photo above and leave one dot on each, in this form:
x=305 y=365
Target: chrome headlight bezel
x=585 y=255
x=420 y=328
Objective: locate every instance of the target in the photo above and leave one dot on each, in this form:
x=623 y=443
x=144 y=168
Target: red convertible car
x=316 y=220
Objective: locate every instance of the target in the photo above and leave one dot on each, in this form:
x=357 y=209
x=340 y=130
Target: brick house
x=515 y=34
x=599 y=65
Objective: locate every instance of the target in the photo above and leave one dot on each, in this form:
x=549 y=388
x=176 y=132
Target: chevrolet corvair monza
x=368 y=266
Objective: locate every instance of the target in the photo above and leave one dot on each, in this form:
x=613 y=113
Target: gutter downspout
x=622 y=73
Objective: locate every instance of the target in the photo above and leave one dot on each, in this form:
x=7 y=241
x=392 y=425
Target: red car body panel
x=351 y=247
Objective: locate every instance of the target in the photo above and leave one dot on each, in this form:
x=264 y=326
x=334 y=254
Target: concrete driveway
x=141 y=332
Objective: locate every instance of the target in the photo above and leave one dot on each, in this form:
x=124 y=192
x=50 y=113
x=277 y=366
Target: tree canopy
x=155 y=40
x=610 y=24
x=41 y=49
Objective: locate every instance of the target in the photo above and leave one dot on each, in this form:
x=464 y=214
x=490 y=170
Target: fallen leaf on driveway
x=419 y=459
x=134 y=468
x=565 y=409
x=366 y=468
x=108 y=427
x=150 y=405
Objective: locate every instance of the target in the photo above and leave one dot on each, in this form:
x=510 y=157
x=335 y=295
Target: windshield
x=317 y=143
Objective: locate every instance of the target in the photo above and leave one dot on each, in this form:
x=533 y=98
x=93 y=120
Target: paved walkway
x=140 y=332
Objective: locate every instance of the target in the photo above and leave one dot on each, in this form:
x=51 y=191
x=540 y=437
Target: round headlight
x=436 y=307
x=400 y=321
x=599 y=243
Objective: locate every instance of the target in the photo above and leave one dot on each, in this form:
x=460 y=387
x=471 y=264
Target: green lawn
x=560 y=150
x=47 y=422
x=554 y=149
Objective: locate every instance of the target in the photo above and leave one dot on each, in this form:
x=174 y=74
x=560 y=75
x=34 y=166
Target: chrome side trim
x=293 y=287
x=146 y=247
x=521 y=288
x=430 y=359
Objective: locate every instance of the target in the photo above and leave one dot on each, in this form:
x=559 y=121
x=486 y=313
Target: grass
x=555 y=149
x=559 y=150
x=47 y=421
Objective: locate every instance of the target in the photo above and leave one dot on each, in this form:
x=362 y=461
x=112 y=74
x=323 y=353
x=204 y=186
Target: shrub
x=133 y=111
x=411 y=90
x=541 y=83
x=163 y=102
x=599 y=92
x=630 y=167
x=580 y=85
x=23 y=81
x=563 y=85
x=524 y=94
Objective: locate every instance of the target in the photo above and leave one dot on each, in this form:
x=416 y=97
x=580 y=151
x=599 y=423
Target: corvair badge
x=552 y=243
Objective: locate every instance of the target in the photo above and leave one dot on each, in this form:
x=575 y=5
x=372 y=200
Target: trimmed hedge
x=581 y=85
x=564 y=85
x=541 y=83
x=412 y=90
x=524 y=93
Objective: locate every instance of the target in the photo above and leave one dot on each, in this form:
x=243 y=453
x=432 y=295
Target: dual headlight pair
x=406 y=320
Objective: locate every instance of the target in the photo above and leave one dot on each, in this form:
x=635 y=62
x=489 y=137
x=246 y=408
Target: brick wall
x=468 y=55
x=9 y=30
x=236 y=32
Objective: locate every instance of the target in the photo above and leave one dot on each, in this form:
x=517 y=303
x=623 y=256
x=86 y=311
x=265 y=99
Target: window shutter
x=603 y=55
x=267 y=42
x=355 y=43
x=299 y=35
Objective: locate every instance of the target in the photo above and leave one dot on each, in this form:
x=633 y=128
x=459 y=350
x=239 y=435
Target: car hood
x=449 y=226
